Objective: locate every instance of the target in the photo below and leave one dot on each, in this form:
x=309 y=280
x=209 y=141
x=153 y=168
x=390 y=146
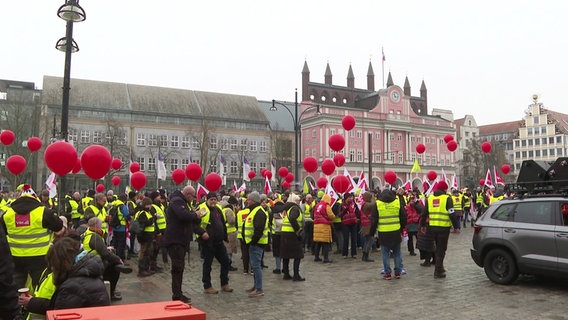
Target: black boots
x=366 y=257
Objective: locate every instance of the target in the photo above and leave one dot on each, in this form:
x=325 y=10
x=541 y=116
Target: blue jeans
x=349 y=235
x=385 y=251
x=255 y=256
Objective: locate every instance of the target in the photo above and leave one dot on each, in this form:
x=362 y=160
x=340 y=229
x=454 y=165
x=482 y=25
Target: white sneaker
x=403 y=271
x=382 y=271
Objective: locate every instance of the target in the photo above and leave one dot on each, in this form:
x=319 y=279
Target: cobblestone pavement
x=352 y=289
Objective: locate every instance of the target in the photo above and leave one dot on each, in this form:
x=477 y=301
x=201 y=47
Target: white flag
x=273 y=170
x=161 y=168
x=51 y=186
x=246 y=169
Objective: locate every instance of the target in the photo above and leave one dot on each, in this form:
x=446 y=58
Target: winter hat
x=154 y=195
x=27 y=191
x=254 y=196
x=442 y=185
x=211 y=195
x=293 y=198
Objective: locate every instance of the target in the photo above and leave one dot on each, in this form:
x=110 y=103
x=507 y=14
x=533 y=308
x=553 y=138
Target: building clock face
x=395 y=96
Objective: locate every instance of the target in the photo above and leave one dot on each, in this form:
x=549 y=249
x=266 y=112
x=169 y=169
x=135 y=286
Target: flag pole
x=383 y=65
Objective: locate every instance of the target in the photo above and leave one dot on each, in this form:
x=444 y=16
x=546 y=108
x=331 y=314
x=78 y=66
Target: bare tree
x=475 y=162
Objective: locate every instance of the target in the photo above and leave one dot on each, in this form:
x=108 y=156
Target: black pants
x=177 y=255
x=325 y=247
x=111 y=275
x=286 y=267
x=245 y=256
x=32 y=266
x=119 y=243
x=441 y=236
x=411 y=237
x=219 y=252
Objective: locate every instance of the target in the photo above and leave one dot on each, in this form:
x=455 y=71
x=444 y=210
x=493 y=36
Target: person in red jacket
x=413 y=211
x=349 y=216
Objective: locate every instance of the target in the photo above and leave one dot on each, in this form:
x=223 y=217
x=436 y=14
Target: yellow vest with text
x=286 y=225
x=29 y=239
x=389 y=216
x=249 y=226
x=241 y=216
x=439 y=215
x=458 y=202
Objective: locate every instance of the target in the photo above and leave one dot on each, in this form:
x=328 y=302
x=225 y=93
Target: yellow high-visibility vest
x=439 y=215
x=389 y=216
x=249 y=226
x=25 y=234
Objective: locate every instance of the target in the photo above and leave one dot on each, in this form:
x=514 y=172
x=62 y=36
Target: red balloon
x=431 y=175
x=116 y=163
x=482 y=182
x=341 y=184
x=289 y=177
x=77 y=166
x=486 y=147
x=263 y=172
x=95 y=161
x=213 y=181
x=327 y=166
x=134 y=167
x=348 y=122
x=193 y=171
x=268 y=174
x=178 y=176
x=115 y=180
x=452 y=145
x=282 y=172
x=34 y=144
x=251 y=174
x=138 y=180
x=7 y=137
x=505 y=168
x=100 y=187
x=390 y=177
x=322 y=182
x=310 y=164
x=336 y=142
x=60 y=157
x=448 y=138
x=16 y=164
x=420 y=148
x=285 y=185
x=339 y=159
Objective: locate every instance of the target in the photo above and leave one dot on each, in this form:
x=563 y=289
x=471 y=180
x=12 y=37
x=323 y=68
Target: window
x=262 y=164
x=174 y=164
x=536 y=141
x=543 y=140
x=152 y=140
x=244 y=145
x=359 y=156
x=558 y=139
x=377 y=135
x=559 y=152
x=314 y=153
x=233 y=167
x=97 y=137
x=225 y=144
x=359 y=134
x=253 y=166
x=213 y=143
x=504 y=212
x=529 y=131
x=545 y=153
x=399 y=137
x=378 y=157
x=151 y=164
x=534 y=212
x=412 y=139
x=524 y=153
x=163 y=141
x=531 y=154
x=142 y=162
x=313 y=133
x=351 y=133
x=467 y=134
x=195 y=143
x=419 y=139
x=85 y=136
x=233 y=144
x=185 y=142
x=213 y=166
x=551 y=151
x=517 y=143
x=536 y=131
x=518 y=154
x=400 y=158
x=391 y=136
x=253 y=145
x=174 y=141
x=73 y=135
x=530 y=142
x=262 y=147
x=537 y=153
x=427 y=159
x=427 y=140
x=307 y=153
x=184 y=163
x=352 y=155
x=332 y=131
x=535 y=120
x=550 y=140
x=434 y=160
x=543 y=130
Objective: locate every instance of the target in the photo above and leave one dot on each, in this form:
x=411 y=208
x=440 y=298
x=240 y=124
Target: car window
x=534 y=212
x=503 y=212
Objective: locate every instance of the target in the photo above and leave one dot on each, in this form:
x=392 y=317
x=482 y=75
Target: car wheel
x=500 y=266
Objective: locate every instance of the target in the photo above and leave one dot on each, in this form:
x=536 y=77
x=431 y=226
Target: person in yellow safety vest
x=290 y=238
x=255 y=233
x=467 y=202
x=497 y=196
x=388 y=220
x=230 y=205
x=337 y=226
x=38 y=304
x=119 y=232
x=160 y=217
x=146 y=238
x=88 y=199
x=131 y=203
x=307 y=207
x=97 y=209
x=275 y=225
x=29 y=227
x=457 y=198
x=241 y=217
x=46 y=200
x=75 y=209
x=479 y=195
x=437 y=220
x=212 y=232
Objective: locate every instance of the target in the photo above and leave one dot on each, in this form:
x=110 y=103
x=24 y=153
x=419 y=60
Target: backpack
x=114 y=215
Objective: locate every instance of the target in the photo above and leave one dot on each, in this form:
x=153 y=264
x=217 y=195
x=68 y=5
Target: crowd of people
x=57 y=251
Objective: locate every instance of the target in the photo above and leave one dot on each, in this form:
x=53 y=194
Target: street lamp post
x=71 y=12
x=296 y=120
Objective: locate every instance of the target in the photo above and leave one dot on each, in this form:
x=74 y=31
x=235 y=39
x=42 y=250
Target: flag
x=273 y=170
x=267 y=187
x=359 y=198
x=312 y=187
x=432 y=187
x=131 y=162
x=353 y=184
x=488 y=181
x=306 y=187
x=221 y=166
x=415 y=167
x=161 y=168
x=383 y=51
x=190 y=157
x=201 y=191
x=332 y=194
x=425 y=184
x=51 y=186
x=246 y=169
x=362 y=183
x=407 y=185
x=234 y=186
x=242 y=188
x=498 y=179
x=455 y=182
x=444 y=177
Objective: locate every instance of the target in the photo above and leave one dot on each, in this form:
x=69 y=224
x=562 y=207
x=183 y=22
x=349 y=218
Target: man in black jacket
x=8 y=292
x=179 y=232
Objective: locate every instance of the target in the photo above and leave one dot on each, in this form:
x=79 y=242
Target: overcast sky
x=484 y=58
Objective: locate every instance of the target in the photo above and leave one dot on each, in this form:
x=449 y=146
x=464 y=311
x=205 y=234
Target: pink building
x=390 y=123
